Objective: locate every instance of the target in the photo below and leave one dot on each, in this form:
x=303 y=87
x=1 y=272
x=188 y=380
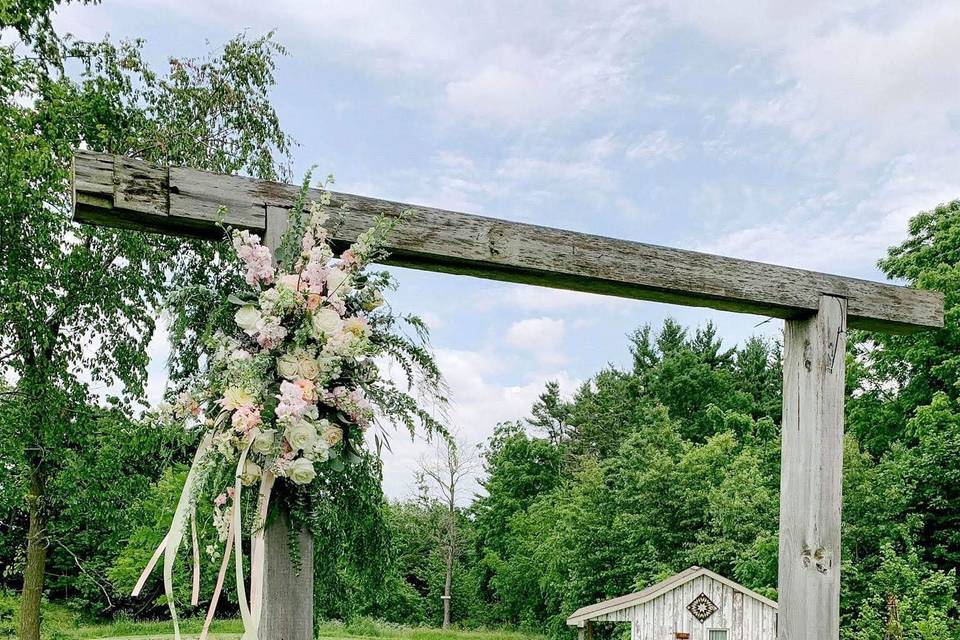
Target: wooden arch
x=817 y=308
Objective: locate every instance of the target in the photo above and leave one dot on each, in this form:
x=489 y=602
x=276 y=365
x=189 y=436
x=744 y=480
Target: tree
x=77 y=303
x=451 y=464
x=550 y=414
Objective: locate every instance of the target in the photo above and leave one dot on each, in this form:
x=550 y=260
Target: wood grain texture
x=811 y=471
x=117 y=191
x=287 y=594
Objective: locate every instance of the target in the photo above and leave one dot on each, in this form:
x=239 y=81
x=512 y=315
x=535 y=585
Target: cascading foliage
x=290 y=390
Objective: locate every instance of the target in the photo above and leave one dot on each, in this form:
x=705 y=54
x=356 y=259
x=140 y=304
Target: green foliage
x=78 y=304
x=905 y=599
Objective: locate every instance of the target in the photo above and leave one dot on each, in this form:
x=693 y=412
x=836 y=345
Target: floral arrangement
x=291 y=388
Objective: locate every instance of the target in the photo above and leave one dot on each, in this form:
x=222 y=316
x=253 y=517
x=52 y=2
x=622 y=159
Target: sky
x=797 y=133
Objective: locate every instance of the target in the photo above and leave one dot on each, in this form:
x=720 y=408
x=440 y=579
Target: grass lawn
x=231 y=629
x=60 y=623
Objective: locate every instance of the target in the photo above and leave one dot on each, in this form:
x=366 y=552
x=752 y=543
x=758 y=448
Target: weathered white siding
x=744 y=617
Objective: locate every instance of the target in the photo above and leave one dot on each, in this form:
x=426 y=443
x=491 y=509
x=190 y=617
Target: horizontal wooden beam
x=121 y=192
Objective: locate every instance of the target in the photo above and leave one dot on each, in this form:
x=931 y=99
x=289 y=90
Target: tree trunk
x=36 y=559
x=446 y=587
x=451 y=538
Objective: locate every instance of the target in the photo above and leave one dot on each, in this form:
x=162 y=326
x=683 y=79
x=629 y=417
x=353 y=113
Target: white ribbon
x=176 y=533
x=249 y=626
x=171 y=542
x=257 y=547
x=215 y=599
x=250 y=611
x=195 y=593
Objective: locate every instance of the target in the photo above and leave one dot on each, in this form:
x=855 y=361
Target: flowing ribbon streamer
x=195 y=594
x=249 y=628
x=224 y=564
x=250 y=610
x=171 y=542
x=150 y=565
x=257 y=548
x=176 y=533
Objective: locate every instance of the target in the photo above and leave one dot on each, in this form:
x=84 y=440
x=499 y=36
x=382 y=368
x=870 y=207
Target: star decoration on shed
x=702 y=607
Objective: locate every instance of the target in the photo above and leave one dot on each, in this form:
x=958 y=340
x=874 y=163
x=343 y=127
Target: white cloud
x=544 y=299
x=541 y=337
x=522 y=65
x=822 y=233
x=867 y=95
x=654 y=147
x=479 y=400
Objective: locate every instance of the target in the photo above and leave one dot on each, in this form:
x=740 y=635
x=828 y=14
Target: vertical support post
x=811 y=473
x=287 y=594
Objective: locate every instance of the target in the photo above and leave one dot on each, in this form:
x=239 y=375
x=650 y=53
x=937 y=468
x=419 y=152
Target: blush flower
x=246 y=418
x=292 y=403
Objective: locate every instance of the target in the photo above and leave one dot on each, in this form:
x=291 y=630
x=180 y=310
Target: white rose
x=325 y=322
x=247 y=317
x=308 y=368
x=287 y=365
x=338 y=282
x=251 y=472
x=263 y=443
x=301 y=435
x=301 y=471
x=289 y=281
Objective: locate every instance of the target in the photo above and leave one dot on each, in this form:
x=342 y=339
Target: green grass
x=230 y=629
x=61 y=623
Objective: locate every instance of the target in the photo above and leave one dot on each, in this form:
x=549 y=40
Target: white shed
x=696 y=604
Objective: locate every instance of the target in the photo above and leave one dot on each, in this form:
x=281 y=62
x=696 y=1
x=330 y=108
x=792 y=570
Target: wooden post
x=287 y=594
x=811 y=470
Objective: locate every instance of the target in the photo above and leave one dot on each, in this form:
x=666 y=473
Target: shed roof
x=583 y=614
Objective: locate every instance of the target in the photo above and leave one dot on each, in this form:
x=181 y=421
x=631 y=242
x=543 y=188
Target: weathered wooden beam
x=122 y=192
x=287 y=592
x=811 y=471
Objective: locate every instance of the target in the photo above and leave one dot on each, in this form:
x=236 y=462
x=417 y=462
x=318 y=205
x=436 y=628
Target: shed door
x=717 y=634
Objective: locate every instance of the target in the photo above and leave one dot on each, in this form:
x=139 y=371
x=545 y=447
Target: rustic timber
x=122 y=192
x=287 y=592
x=814 y=352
